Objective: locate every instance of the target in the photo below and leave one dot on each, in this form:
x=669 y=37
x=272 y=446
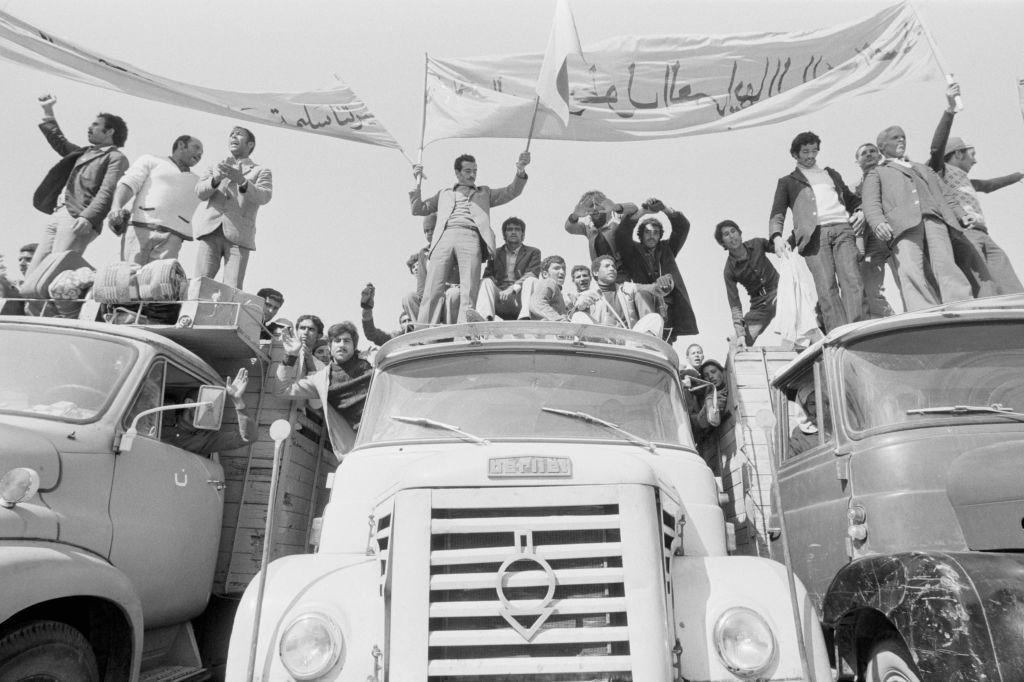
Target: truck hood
x=986 y=488
x=20 y=447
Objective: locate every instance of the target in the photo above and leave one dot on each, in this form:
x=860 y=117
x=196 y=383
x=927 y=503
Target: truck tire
x=47 y=651
x=890 y=661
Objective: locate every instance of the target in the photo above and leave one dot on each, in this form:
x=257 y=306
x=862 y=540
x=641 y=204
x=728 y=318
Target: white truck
x=524 y=503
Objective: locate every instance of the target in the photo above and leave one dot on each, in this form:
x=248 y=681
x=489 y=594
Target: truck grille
x=527 y=587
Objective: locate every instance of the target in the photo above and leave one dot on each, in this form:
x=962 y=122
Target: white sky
x=340 y=216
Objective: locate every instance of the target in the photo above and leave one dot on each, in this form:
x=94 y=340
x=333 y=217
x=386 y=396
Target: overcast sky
x=339 y=217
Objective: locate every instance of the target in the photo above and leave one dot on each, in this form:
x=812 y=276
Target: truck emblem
x=529 y=467
x=540 y=608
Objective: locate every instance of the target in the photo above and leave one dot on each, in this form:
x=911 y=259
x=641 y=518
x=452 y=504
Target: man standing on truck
x=78 y=190
x=952 y=159
x=183 y=434
x=230 y=194
x=164 y=192
x=463 y=233
x=748 y=265
x=341 y=386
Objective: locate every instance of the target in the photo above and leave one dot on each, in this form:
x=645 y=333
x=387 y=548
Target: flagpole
x=936 y=54
x=423 y=120
x=529 y=137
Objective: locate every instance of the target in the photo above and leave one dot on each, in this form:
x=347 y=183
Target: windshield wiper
x=591 y=419
x=423 y=421
x=994 y=408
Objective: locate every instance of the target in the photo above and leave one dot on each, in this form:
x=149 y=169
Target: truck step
x=175 y=673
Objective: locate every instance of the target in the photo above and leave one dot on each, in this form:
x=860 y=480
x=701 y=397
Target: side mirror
x=210 y=410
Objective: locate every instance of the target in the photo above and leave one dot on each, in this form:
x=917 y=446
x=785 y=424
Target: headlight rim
x=336 y=634
x=720 y=624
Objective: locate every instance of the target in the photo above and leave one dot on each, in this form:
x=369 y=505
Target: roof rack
x=526 y=331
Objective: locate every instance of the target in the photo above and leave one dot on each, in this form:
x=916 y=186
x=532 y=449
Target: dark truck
x=905 y=514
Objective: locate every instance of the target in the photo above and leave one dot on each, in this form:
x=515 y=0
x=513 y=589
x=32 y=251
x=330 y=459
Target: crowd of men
x=922 y=220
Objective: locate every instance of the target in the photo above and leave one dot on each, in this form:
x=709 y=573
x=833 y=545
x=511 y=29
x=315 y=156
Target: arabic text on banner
x=653 y=87
x=335 y=111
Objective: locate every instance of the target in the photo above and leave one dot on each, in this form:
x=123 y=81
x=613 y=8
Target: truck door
x=814 y=499
x=166 y=507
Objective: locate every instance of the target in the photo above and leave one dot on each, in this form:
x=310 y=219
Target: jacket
x=679 y=315
x=227 y=207
x=89 y=175
x=890 y=196
x=481 y=200
x=794 y=192
x=527 y=263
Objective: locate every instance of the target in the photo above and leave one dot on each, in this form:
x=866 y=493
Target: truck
x=524 y=502
x=122 y=555
x=902 y=503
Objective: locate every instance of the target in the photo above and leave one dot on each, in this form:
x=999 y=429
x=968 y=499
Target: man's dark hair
x=29 y=247
x=270 y=294
x=248 y=133
x=317 y=322
x=512 y=221
x=337 y=330
x=720 y=227
x=802 y=139
x=181 y=141
x=597 y=263
x=577 y=268
x=119 y=126
x=708 y=363
x=460 y=159
x=644 y=223
x=546 y=263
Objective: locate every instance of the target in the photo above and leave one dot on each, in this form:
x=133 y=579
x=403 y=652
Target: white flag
x=334 y=111
x=654 y=87
x=553 y=82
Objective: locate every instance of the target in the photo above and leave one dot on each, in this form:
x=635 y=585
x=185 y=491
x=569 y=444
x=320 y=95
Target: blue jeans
x=831 y=256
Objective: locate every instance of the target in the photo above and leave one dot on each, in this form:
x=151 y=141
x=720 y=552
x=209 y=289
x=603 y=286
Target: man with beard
x=651 y=260
x=341 y=385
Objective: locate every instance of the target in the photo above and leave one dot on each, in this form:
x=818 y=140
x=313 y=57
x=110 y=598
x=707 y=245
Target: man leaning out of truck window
x=183 y=434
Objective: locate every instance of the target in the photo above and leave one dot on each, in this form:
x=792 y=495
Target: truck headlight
x=744 y=641
x=18 y=485
x=311 y=645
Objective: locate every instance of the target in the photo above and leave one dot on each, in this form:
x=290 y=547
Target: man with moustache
x=231 y=194
x=547 y=302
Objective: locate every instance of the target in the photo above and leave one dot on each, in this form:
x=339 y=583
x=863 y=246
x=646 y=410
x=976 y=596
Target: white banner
x=334 y=111
x=653 y=87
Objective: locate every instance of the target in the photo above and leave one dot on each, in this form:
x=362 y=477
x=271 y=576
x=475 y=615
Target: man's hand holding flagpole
x=553 y=80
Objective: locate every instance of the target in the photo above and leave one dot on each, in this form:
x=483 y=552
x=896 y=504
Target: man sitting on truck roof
x=617 y=305
x=183 y=434
x=341 y=386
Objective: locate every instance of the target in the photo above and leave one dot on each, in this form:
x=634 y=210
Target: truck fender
x=35 y=573
x=949 y=608
x=344 y=587
x=704 y=588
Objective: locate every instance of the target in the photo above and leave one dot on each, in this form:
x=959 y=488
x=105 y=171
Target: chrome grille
x=527 y=585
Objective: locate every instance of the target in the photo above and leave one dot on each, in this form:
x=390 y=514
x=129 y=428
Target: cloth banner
x=335 y=111
x=654 y=87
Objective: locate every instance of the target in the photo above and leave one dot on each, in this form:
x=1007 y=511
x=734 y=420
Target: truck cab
x=901 y=487
x=130 y=534
x=524 y=502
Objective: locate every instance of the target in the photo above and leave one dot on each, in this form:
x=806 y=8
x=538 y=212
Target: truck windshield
x=934 y=367
x=501 y=396
x=59 y=374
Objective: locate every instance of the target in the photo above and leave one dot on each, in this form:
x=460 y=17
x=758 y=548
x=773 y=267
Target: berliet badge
x=541 y=608
x=529 y=467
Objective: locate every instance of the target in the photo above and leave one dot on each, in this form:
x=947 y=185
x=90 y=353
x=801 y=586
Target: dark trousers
x=831 y=256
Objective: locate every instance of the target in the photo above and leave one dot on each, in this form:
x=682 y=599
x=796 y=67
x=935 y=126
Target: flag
x=553 y=82
x=335 y=111
x=656 y=87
